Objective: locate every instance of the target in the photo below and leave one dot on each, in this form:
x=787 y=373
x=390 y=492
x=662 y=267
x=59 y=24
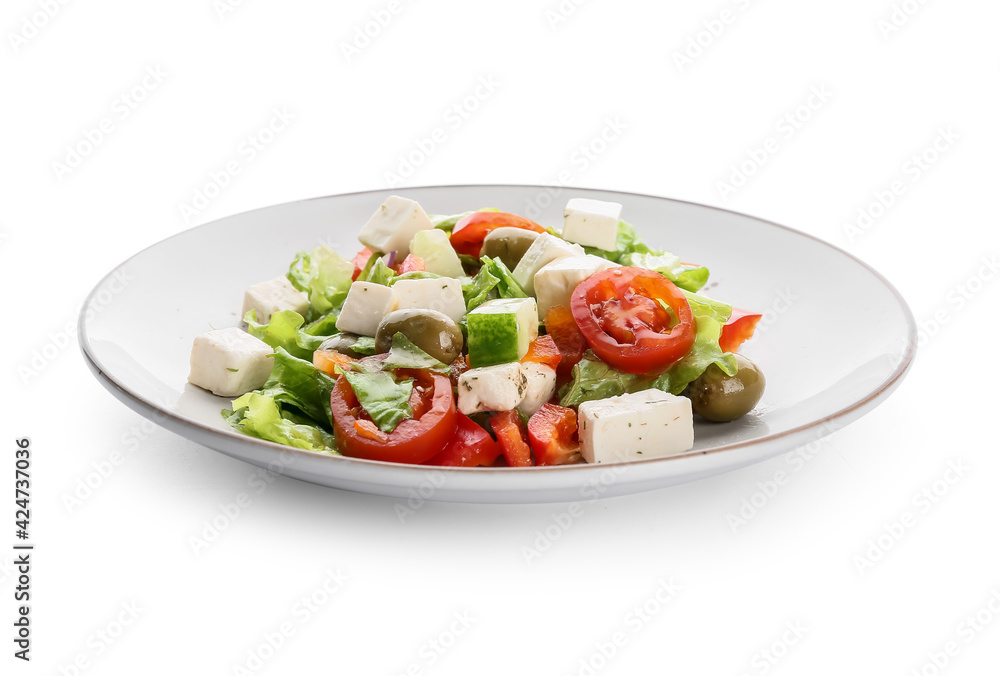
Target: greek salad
x=484 y=339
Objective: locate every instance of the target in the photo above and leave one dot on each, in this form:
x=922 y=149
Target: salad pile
x=484 y=339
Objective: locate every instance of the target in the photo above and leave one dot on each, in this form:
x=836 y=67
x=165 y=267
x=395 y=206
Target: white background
x=799 y=561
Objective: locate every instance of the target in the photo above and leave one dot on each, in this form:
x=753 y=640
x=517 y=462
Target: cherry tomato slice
x=469 y=233
x=472 y=446
x=410 y=264
x=360 y=261
x=738 y=329
x=413 y=441
x=634 y=319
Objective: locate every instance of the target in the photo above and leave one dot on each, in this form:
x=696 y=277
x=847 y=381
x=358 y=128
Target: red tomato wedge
x=472 y=446
x=562 y=328
x=739 y=329
x=634 y=319
x=469 y=233
x=507 y=426
x=543 y=350
x=410 y=264
x=360 y=261
x=553 y=435
x=413 y=441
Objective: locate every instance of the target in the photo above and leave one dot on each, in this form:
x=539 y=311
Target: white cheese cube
x=491 y=388
x=366 y=305
x=592 y=222
x=230 y=362
x=545 y=249
x=443 y=294
x=541 y=385
x=439 y=256
x=647 y=424
x=555 y=283
x=393 y=225
x=272 y=296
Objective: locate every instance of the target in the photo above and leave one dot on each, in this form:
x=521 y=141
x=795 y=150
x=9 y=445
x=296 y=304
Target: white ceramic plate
x=828 y=358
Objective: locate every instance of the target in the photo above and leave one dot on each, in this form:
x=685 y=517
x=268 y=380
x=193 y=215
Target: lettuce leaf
x=260 y=416
x=285 y=331
x=710 y=315
x=593 y=379
x=492 y=281
x=297 y=384
x=686 y=277
x=385 y=401
x=324 y=275
x=405 y=355
x=377 y=272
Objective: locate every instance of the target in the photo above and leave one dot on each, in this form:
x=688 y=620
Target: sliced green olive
x=508 y=244
x=342 y=343
x=434 y=332
x=720 y=398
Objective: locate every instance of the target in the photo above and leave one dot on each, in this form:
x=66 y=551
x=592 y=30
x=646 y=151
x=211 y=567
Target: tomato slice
x=360 y=261
x=328 y=361
x=634 y=319
x=507 y=425
x=469 y=233
x=410 y=264
x=739 y=329
x=553 y=435
x=543 y=350
x=413 y=441
x=472 y=446
x=560 y=325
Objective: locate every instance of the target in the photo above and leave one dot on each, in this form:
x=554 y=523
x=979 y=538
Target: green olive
x=508 y=244
x=433 y=332
x=342 y=343
x=720 y=398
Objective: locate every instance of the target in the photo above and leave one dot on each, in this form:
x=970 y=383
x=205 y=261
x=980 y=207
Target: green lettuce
x=377 y=272
x=405 y=355
x=710 y=316
x=593 y=379
x=260 y=416
x=492 y=281
x=386 y=401
x=285 y=330
x=324 y=275
x=292 y=407
x=686 y=277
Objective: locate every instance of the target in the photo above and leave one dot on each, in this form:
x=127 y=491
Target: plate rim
x=882 y=389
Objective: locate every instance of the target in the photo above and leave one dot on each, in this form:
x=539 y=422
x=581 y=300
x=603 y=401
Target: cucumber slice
x=500 y=331
x=439 y=256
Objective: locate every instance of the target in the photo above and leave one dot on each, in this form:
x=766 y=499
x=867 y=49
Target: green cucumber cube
x=500 y=331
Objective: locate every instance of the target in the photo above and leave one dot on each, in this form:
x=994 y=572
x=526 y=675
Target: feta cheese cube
x=272 y=296
x=502 y=330
x=647 y=424
x=491 y=388
x=545 y=249
x=592 y=222
x=541 y=385
x=443 y=294
x=393 y=225
x=555 y=283
x=230 y=362
x=366 y=305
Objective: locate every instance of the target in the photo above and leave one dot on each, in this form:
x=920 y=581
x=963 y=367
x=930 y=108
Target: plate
x=138 y=323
